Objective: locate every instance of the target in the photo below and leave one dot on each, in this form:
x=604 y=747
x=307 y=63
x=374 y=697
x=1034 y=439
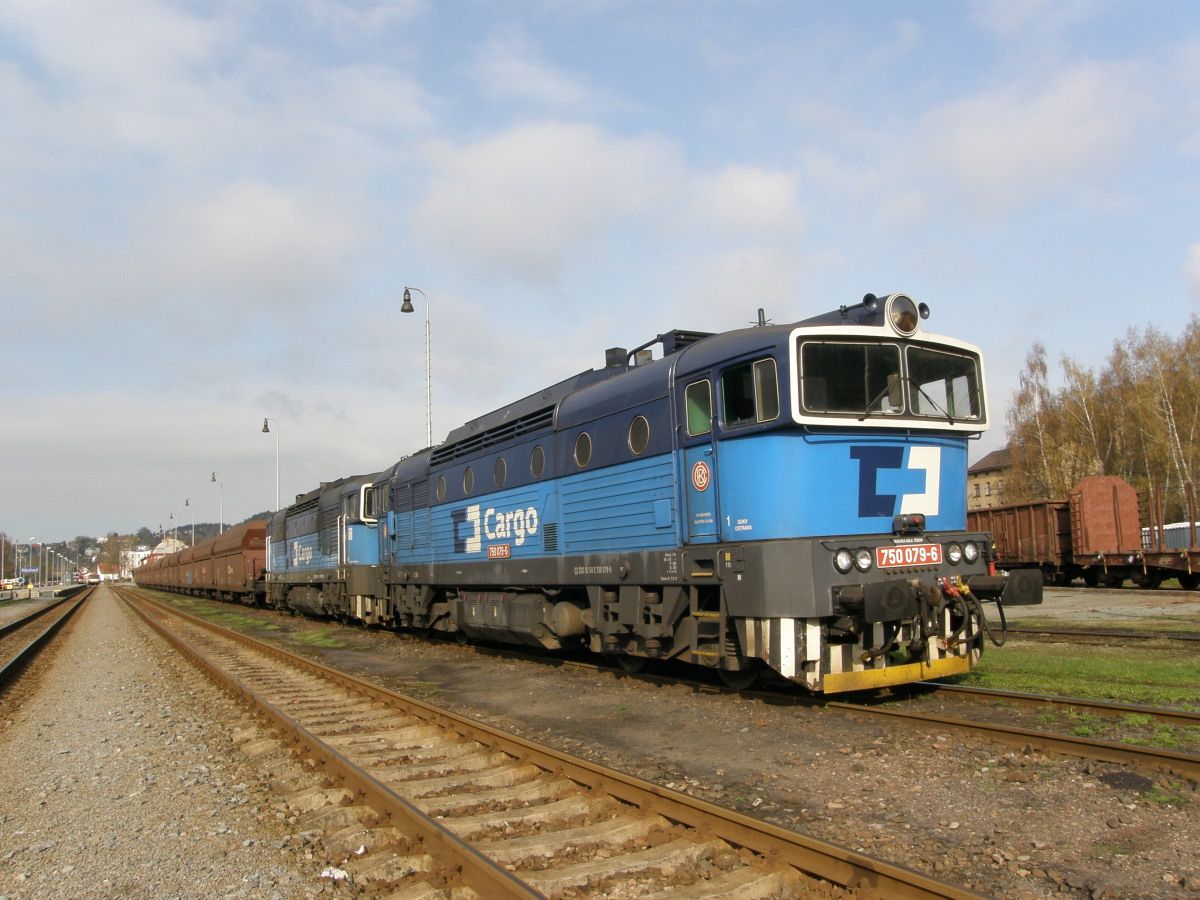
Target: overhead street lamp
x=267 y=430
x=407 y=307
x=220 y=498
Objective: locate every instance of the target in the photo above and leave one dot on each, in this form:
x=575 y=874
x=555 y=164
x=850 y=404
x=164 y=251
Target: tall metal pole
x=220 y=498
x=267 y=430
x=428 y=381
x=407 y=307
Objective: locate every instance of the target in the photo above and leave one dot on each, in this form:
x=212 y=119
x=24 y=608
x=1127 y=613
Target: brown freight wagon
x=238 y=562
x=1095 y=534
x=227 y=567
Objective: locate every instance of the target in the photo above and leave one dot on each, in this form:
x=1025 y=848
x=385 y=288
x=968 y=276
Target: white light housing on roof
x=904 y=314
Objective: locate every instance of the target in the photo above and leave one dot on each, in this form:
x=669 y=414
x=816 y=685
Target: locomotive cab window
x=851 y=378
x=943 y=385
x=750 y=393
x=379 y=501
x=698 y=398
x=367 y=504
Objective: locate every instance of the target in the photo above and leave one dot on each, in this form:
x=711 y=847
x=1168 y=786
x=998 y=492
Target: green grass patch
x=1169 y=794
x=418 y=688
x=1152 y=624
x=1155 y=676
x=325 y=637
x=235 y=618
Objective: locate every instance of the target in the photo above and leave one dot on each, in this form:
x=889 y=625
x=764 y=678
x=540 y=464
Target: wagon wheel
x=1189 y=581
x=1151 y=581
x=1091 y=577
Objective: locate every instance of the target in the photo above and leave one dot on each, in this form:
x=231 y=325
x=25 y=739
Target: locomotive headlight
x=954 y=553
x=862 y=559
x=843 y=561
x=903 y=313
x=970 y=551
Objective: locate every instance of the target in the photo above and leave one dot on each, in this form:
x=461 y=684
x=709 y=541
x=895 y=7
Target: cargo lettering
x=471 y=526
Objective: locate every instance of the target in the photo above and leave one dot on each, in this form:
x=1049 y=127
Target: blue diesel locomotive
x=786 y=498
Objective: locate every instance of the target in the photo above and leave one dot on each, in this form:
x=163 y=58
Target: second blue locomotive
x=777 y=498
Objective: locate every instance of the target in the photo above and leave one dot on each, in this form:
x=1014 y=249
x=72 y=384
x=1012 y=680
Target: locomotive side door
x=699 y=476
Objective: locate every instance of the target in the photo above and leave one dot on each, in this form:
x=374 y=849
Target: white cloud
x=1006 y=146
x=507 y=68
x=522 y=202
x=746 y=200
x=1013 y=18
x=252 y=240
x=528 y=202
x=113 y=45
x=364 y=16
x=1191 y=268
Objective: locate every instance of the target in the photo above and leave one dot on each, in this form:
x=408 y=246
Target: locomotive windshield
x=869 y=379
x=943 y=385
x=857 y=378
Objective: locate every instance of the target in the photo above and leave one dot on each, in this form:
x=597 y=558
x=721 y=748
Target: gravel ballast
x=120 y=777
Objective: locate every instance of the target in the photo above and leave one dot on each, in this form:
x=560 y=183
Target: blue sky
x=208 y=211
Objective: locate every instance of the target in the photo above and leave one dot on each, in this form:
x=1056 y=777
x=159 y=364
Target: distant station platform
x=1120 y=605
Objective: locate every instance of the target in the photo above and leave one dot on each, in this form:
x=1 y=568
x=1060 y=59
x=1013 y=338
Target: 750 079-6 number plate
x=901 y=555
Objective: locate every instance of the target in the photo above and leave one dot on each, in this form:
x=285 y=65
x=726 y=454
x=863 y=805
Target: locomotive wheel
x=738 y=679
x=631 y=664
x=1189 y=581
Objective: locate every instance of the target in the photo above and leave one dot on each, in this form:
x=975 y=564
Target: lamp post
x=220 y=498
x=266 y=429
x=407 y=307
x=188 y=503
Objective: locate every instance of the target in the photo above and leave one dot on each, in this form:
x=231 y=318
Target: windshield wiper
x=932 y=402
x=891 y=387
x=867 y=411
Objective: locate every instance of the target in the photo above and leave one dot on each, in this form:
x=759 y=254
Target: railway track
x=1185 y=764
x=1103 y=634
x=468 y=805
x=22 y=639
x=1179 y=717
x=1180 y=763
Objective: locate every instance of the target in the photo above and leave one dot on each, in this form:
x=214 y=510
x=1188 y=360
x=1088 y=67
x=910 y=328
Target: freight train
x=1095 y=534
x=786 y=499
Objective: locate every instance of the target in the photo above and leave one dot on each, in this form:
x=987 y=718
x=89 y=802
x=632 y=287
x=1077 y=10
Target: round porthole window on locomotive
x=639 y=435
x=500 y=471
x=441 y=488
x=468 y=481
x=537 y=462
x=583 y=449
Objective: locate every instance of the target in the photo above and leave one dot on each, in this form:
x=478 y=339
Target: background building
x=985 y=480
